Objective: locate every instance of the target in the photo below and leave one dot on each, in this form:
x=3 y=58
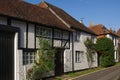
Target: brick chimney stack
x=111 y=29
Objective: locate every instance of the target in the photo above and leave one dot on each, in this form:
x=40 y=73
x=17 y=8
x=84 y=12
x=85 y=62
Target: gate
x=6 y=55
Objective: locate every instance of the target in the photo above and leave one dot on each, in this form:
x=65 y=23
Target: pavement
x=111 y=73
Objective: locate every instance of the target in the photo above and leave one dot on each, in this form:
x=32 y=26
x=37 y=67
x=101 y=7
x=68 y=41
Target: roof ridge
x=69 y=19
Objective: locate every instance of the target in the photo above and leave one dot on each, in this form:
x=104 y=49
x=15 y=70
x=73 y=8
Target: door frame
x=59 y=61
x=15 y=31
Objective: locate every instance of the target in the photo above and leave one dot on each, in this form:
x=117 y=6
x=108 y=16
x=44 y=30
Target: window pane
x=77 y=36
x=57 y=34
x=42 y=31
x=78 y=56
x=28 y=58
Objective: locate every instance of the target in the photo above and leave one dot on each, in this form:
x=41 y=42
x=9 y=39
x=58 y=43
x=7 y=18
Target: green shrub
x=105 y=47
x=44 y=61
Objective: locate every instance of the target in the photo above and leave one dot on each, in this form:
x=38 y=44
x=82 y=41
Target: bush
x=105 y=47
x=44 y=61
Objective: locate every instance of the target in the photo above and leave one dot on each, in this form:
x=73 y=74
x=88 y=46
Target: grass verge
x=117 y=64
x=75 y=74
x=84 y=72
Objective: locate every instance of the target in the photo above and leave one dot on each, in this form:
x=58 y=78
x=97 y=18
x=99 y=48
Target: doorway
x=59 y=62
x=6 y=55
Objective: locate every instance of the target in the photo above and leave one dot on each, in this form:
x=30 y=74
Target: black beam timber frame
x=7 y=28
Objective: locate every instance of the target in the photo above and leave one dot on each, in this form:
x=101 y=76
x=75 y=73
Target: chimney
x=111 y=29
x=43 y=0
x=81 y=21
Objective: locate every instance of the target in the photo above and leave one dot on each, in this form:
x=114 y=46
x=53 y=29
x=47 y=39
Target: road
x=111 y=73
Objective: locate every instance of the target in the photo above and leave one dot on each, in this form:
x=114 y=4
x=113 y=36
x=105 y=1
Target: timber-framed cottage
x=20 y=24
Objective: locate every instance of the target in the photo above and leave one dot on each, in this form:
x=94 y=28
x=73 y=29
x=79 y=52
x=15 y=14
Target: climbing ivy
x=44 y=62
x=89 y=51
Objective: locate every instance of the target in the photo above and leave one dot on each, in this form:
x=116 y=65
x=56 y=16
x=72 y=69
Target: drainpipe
x=72 y=53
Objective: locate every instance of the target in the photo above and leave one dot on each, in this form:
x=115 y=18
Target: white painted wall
x=16 y=58
x=31 y=35
x=78 y=46
x=20 y=69
x=68 y=59
x=114 y=38
x=22 y=26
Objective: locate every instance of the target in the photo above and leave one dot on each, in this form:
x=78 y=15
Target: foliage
x=44 y=62
x=117 y=64
x=91 y=24
x=90 y=49
x=105 y=47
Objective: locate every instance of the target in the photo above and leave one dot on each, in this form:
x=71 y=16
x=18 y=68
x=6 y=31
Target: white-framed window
x=43 y=31
x=77 y=36
x=28 y=58
x=78 y=56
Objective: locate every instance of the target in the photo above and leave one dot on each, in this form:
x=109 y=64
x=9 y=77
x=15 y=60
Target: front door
x=6 y=55
x=59 y=62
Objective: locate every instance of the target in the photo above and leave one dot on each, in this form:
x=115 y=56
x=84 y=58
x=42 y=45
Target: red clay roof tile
x=67 y=18
x=101 y=30
x=26 y=11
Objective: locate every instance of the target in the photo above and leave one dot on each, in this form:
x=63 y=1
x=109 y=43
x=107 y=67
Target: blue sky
x=106 y=12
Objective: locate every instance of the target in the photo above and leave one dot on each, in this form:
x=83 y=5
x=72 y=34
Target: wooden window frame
x=30 y=55
x=78 y=56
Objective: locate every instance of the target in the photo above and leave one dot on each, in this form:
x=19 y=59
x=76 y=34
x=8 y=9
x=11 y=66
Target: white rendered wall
x=31 y=36
x=22 y=26
x=68 y=59
x=114 y=38
x=16 y=58
x=78 y=46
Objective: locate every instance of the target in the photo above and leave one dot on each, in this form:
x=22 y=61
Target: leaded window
x=44 y=32
x=28 y=57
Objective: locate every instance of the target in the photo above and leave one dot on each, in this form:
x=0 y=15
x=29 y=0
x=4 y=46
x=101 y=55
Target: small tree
x=44 y=62
x=105 y=47
x=89 y=48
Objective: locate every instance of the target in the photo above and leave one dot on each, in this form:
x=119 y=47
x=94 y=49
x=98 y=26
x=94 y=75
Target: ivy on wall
x=44 y=62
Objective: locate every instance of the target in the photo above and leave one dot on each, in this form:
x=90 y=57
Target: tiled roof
x=99 y=29
x=118 y=32
x=102 y=30
x=26 y=11
x=67 y=18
